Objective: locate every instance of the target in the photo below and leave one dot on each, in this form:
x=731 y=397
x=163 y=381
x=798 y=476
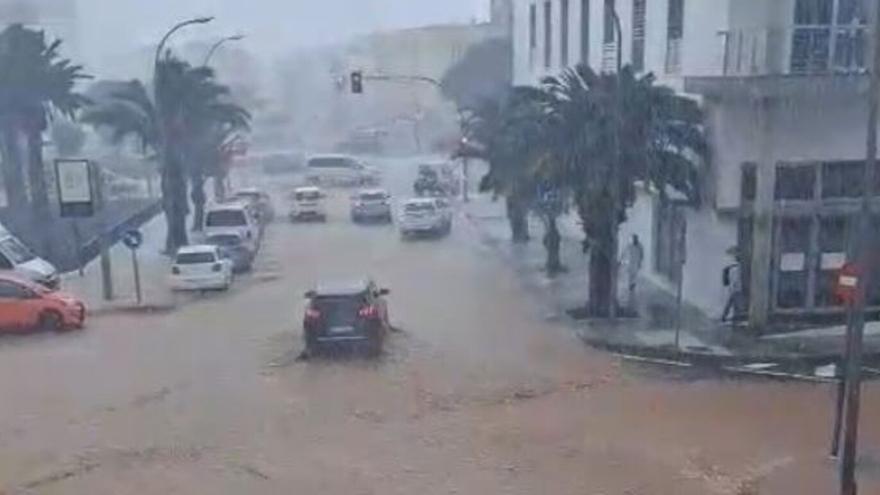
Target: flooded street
x=477 y=393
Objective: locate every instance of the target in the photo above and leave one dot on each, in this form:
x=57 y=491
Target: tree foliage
x=483 y=73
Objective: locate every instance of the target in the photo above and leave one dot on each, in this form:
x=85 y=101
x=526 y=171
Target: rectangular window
x=675 y=26
x=638 y=34
x=795 y=182
x=609 y=27
x=548 y=34
x=563 y=33
x=749 y=182
x=585 y=32
x=843 y=179
x=533 y=33
x=669 y=227
x=674 y=35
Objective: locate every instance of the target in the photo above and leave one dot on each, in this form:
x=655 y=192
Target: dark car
x=353 y=313
x=234 y=247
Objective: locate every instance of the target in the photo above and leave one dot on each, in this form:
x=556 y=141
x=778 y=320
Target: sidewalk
x=653 y=333
x=153 y=268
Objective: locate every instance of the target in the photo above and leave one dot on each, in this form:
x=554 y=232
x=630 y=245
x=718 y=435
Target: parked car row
x=231 y=237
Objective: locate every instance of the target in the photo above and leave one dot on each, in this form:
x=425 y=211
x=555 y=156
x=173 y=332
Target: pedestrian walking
x=632 y=258
x=731 y=278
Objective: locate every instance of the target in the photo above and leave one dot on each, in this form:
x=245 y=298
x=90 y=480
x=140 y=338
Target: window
x=638 y=35
x=608 y=29
x=749 y=182
x=674 y=35
x=795 y=182
x=548 y=34
x=226 y=218
x=842 y=179
x=585 y=31
x=195 y=258
x=533 y=35
x=11 y=290
x=563 y=33
x=669 y=228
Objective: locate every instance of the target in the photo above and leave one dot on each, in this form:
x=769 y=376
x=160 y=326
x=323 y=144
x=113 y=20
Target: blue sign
x=132 y=239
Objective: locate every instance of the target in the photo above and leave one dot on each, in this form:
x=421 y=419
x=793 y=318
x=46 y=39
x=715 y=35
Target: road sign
x=847 y=281
x=76 y=193
x=132 y=239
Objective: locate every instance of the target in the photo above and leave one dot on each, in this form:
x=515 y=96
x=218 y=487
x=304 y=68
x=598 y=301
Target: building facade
x=783 y=84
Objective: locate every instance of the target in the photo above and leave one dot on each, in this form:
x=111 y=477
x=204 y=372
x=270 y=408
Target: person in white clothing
x=632 y=258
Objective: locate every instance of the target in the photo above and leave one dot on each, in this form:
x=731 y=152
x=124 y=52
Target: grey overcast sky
x=116 y=25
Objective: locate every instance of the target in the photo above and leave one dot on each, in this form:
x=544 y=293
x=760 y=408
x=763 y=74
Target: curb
x=667 y=352
x=132 y=309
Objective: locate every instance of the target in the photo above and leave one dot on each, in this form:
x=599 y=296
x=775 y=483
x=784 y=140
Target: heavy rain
x=470 y=246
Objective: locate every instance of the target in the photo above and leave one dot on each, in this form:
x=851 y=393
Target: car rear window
x=331 y=162
x=338 y=310
x=225 y=240
x=194 y=258
x=308 y=195
x=226 y=218
x=372 y=196
x=418 y=207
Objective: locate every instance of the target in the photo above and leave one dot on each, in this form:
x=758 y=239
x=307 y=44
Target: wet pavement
x=479 y=393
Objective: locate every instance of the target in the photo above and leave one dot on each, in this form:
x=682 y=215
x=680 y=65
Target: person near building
x=731 y=278
x=632 y=259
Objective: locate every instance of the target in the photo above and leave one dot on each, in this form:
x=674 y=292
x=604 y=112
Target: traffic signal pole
x=856 y=320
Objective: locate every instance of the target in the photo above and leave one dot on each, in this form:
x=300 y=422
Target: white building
x=784 y=89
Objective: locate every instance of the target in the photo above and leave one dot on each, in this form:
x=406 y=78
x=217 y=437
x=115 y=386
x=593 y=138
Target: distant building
x=59 y=18
x=783 y=83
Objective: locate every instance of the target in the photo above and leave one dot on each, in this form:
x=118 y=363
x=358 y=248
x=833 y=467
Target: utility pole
x=863 y=245
x=615 y=169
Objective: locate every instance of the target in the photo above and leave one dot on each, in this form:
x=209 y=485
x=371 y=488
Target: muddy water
x=477 y=394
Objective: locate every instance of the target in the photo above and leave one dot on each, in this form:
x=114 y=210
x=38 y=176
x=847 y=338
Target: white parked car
x=17 y=258
x=371 y=204
x=201 y=267
x=308 y=204
x=232 y=218
x=425 y=216
x=340 y=170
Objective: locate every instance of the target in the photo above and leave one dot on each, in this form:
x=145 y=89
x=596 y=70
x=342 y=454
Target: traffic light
x=357 y=82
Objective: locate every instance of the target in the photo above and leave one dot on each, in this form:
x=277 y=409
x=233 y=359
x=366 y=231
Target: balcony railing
x=673 y=56
x=609 y=56
x=798 y=50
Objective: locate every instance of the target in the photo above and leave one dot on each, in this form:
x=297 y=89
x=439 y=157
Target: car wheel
x=51 y=321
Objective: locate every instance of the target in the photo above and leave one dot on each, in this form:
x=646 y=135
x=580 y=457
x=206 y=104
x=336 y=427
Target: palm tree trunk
x=174 y=203
x=39 y=188
x=552 y=242
x=13 y=176
x=198 y=198
x=517 y=215
x=602 y=262
x=220 y=187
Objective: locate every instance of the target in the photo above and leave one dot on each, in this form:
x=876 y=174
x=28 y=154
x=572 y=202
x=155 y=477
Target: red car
x=25 y=305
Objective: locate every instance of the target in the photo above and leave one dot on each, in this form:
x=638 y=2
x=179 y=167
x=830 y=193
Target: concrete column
x=762 y=231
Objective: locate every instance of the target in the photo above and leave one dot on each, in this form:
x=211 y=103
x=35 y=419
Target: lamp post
x=218 y=44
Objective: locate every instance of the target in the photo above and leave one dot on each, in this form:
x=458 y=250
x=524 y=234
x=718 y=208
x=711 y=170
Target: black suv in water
x=348 y=313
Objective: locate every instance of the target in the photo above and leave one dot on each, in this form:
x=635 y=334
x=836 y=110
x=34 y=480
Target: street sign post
x=133 y=239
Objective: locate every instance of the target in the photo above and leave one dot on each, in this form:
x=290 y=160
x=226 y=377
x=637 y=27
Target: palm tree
x=34 y=84
x=661 y=142
x=191 y=103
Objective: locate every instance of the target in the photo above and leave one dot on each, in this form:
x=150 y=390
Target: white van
x=339 y=170
x=15 y=256
x=232 y=218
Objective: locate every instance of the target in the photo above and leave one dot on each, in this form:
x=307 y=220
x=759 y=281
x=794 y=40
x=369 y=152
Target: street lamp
x=237 y=37
x=177 y=27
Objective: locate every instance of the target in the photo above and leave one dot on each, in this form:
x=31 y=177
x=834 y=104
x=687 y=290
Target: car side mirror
x=310 y=294
x=384 y=292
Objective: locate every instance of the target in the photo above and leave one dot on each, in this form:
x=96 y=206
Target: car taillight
x=217 y=267
x=175 y=270
x=368 y=312
x=312 y=314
